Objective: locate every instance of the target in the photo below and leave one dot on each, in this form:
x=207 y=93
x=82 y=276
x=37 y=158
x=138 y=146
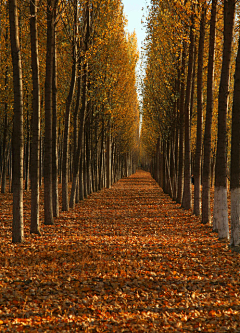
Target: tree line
x=191 y=106
x=69 y=105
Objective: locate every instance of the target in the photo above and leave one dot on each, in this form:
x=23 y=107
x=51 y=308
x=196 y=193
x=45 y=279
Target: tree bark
x=35 y=145
x=198 y=156
x=54 y=123
x=181 y=128
x=235 y=158
x=206 y=213
x=108 y=157
x=187 y=196
x=65 y=167
x=79 y=152
x=220 y=213
x=48 y=206
x=4 y=153
x=17 y=226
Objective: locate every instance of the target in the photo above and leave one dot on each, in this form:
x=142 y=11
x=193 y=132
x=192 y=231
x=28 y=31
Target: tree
x=206 y=213
x=220 y=213
x=235 y=158
x=54 y=121
x=17 y=227
x=198 y=155
x=35 y=146
x=65 y=169
x=187 y=196
x=48 y=202
x=83 y=107
x=181 y=127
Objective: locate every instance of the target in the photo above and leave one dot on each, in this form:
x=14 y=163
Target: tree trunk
x=235 y=158
x=198 y=156
x=206 y=213
x=27 y=154
x=79 y=151
x=48 y=206
x=220 y=213
x=108 y=157
x=187 y=196
x=65 y=167
x=35 y=145
x=54 y=123
x=4 y=153
x=17 y=226
x=181 y=128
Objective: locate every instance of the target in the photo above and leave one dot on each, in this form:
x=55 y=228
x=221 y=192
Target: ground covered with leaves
x=127 y=259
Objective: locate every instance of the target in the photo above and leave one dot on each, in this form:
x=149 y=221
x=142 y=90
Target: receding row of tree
x=69 y=107
x=191 y=106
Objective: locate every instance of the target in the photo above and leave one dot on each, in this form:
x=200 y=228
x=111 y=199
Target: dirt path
x=127 y=259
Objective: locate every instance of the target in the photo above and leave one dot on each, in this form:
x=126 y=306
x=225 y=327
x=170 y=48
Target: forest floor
x=127 y=259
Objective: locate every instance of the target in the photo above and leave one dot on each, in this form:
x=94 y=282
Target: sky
x=134 y=13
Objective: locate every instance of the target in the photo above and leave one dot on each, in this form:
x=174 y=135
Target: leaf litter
x=126 y=259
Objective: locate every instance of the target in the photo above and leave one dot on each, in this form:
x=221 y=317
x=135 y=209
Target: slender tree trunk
x=198 y=156
x=181 y=128
x=164 y=166
x=79 y=152
x=220 y=213
x=65 y=167
x=48 y=206
x=17 y=226
x=187 y=196
x=235 y=158
x=54 y=123
x=172 y=163
x=157 y=161
x=81 y=184
x=85 y=167
x=108 y=157
x=176 y=162
x=101 y=159
x=206 y=213
x=88 y=162
x=35 y=145
x=27 y=154
x=4 y=153
x=75 y=136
